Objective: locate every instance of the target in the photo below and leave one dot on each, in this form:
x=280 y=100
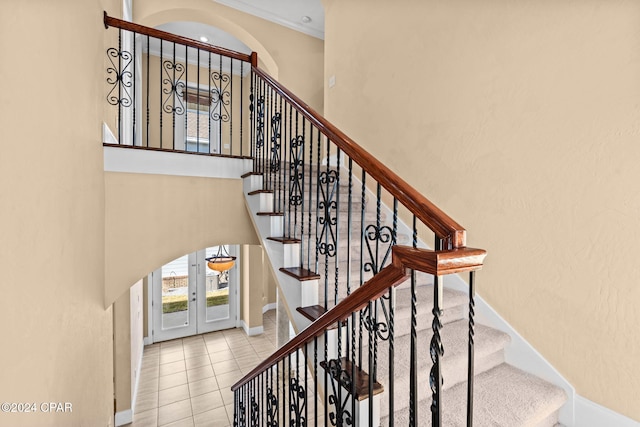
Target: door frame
x=155 y=294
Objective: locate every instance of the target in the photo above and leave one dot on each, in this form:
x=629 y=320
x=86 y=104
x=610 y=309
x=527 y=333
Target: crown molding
x=269 y=16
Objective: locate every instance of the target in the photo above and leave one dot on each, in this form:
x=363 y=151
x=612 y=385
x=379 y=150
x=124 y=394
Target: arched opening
x=209 y=18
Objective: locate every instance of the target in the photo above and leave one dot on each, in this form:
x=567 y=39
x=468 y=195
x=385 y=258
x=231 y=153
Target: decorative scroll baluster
x=220 y=96
x=340 y=378
x=327 y=205
x=296 y=149
x=274 y=165
x=255 y=411
x=298 y=399
x=240 y=416
x=272 y=404
x=173 y=87
x=259 y=129
x=297 y=403
x=120 y=78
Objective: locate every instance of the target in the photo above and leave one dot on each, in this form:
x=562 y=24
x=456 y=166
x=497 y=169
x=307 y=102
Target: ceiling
x=288 y=13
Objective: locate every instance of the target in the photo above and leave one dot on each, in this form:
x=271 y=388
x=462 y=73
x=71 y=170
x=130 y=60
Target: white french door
x=188 y=298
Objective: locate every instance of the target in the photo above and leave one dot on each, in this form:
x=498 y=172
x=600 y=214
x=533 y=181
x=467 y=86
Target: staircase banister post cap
x=438 y=263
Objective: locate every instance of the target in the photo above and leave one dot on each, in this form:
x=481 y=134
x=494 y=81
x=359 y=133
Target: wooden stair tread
x=254 y=192
x=313 y=312
x=361 y=379
x=248 y=174
x=284 y=240
x=300 y=273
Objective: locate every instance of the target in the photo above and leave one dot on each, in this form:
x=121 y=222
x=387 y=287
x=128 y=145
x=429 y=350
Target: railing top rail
x=152 y=32
x=427 y=212
x=403 y=258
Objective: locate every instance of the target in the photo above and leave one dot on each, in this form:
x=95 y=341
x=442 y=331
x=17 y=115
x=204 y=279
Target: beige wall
x=56 y=333
x=520 y=119
x=295 y=59
x=252 y=287
x=153 y=219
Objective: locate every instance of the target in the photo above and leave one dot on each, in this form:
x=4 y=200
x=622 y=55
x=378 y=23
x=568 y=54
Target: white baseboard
x=590 y=414
x=270 y=306
x=256 y=330
x=148 y=340
x=123 y=417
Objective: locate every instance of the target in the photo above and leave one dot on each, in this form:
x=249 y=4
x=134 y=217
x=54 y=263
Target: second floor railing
x=168 y=92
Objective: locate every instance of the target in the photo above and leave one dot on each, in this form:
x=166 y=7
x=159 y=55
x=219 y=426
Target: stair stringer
x=279 y=256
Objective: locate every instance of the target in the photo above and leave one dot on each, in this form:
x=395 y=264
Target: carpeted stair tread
x=504 y=396
x=489 y=352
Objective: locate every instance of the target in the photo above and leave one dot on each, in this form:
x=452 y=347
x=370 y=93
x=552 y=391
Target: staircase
x=384 y=338
x=504 y=395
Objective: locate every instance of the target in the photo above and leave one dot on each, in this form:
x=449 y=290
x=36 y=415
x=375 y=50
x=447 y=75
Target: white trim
x=107 y=136
x=123 y=417
x=117 y=159
x=256 y=330
x=270 y=306
x=269 y=16
x=590 y=414
x=134 y=398
x=148 y=340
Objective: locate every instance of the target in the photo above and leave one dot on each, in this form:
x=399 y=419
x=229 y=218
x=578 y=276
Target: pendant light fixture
x=221 y=261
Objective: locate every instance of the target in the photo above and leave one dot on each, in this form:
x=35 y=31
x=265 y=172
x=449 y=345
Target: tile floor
x=186 y=382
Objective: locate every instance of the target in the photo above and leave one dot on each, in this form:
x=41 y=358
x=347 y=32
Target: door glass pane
x=217 y=289
x=175 y=293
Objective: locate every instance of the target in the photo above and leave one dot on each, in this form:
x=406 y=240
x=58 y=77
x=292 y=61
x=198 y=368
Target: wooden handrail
x=152 y=32
x=438 y=221
x=403 y=258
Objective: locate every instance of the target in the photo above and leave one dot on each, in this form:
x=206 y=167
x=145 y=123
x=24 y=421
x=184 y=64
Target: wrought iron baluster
x=198 y=106
x=160 y=81
x=255 y=408
x=470 y=368
x=173 y=87
x=230 y=108
x=298 y=397
x=119 y=77
x=413 y=369
x=436 y=349
x=209 y=102
x=186 y=99
x=339 y=379
x=315 y=379
x=242 y=153
x=148 y=106
x=326 y=298
x=306 y=385
x=361 y=281
x=134 y=90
